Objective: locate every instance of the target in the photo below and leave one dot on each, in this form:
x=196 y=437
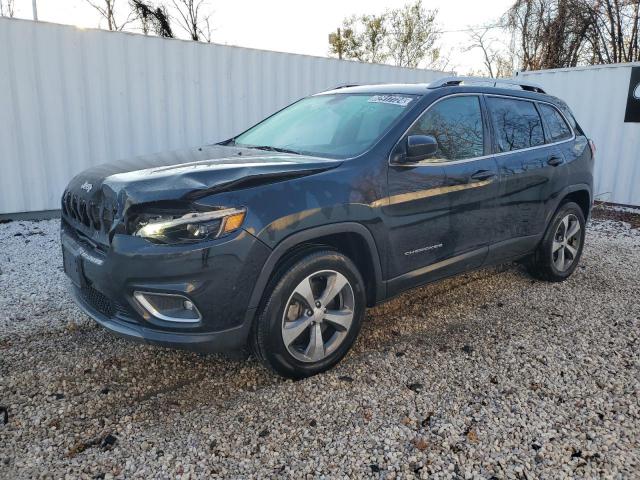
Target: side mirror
x=420 y=147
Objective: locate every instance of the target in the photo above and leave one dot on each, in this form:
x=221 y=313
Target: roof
x=475 y=84
x=406 y=88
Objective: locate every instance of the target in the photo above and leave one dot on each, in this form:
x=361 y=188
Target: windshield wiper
x=269 y=148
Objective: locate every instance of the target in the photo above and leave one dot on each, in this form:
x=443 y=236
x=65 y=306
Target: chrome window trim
x=139 y=296
x=428 y=163
x=573 y=133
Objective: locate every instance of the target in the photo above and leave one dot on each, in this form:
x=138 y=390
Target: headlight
x=191 y=227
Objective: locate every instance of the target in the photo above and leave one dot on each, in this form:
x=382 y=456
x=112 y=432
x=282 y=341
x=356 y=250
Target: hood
x=96 y=198
x=191 y=174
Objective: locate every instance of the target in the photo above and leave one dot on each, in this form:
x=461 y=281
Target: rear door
x=529 y=175
x=441 y=210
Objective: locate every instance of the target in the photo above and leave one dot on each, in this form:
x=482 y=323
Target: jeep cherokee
x=280 y=237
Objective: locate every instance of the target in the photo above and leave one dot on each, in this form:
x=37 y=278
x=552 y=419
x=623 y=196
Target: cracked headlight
x=191 y=227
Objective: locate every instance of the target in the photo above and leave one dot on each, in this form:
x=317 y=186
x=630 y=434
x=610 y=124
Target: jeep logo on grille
x=86 y=186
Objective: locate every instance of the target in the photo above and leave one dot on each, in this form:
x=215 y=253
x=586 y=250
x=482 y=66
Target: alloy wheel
x=566 y=242
x=318 y=316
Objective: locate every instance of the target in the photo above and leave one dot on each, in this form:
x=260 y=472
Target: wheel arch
x=582 y=198
x=578 y=193
x=350 y=238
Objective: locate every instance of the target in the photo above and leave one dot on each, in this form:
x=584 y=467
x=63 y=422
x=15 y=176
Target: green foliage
x=361 y=38
x=406 y=36
x=413 y=35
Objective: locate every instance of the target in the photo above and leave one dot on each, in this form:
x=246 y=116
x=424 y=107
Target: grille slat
x=121 y=309
x=98 y=301
x=75 y=206
x=103 y=304
x=94 y=215
x=88 y=216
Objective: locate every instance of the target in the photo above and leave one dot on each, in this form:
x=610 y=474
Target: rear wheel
x=558 y=254
x=312 y=314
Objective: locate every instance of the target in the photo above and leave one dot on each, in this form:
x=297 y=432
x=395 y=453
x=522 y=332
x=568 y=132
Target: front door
x=441 y=210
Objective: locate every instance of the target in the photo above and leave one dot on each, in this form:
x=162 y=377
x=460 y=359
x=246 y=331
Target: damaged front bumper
x=213 y=275
x=225 y=340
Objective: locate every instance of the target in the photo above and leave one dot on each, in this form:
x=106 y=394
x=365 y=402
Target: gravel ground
x=490 y=374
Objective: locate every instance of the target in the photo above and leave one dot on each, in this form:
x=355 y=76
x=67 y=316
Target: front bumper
x=216 y=276
x=225 y=340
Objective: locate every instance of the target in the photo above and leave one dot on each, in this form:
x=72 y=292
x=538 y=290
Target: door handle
x=554 y=160
x=482 y=175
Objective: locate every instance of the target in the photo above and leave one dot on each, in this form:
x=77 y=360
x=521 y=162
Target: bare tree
x=613 y=35
x=152 y=17
x=438 y=59
x=107 y=10
x=413 y=34
x=504 y=65
x=480 y=39
x=566 y=33
x=7 y=8
x=192 y=19
x=495 y=58
x=550 y=32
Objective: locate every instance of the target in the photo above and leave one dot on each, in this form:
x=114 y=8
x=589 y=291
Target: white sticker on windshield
x=392 y=99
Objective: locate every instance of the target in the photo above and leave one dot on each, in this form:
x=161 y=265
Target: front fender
x=308 y=235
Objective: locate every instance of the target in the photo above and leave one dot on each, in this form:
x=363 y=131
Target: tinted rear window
x=558 y=128
x=516 y=124
x=568 y=114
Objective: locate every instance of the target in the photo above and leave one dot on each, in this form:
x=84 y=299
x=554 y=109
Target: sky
x=300 y=26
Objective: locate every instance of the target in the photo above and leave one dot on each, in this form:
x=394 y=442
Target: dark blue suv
x=279 y=238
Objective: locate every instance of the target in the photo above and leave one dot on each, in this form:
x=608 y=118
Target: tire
x=557 y=256
x=285 y=337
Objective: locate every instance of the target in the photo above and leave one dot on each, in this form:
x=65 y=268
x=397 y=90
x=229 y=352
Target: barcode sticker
x=399 y=100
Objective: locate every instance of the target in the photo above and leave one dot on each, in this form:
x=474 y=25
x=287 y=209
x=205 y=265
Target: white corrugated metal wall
x=72 y=98
x=598 y=97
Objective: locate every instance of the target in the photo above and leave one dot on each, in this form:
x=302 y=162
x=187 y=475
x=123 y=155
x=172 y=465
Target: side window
x=558 y=128
x=516 y=123
x=456 y=124
x=568 y=114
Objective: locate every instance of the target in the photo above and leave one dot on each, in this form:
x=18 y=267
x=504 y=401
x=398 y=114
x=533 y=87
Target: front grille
x=81 y=211
x=88 y=216
x=98 y=301
x=103 y=304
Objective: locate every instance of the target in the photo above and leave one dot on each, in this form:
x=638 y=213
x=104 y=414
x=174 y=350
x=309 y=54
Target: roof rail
x=343 y=85
x=489 y=82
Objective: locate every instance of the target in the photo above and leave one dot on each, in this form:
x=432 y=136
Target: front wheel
x=312 y=314
x=558 y=254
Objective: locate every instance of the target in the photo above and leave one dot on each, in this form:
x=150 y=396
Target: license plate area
x=73 y=267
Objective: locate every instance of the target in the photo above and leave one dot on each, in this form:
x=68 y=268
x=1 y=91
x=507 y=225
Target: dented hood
x=190 y=174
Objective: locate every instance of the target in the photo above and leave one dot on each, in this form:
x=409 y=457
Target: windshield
x=337 y=125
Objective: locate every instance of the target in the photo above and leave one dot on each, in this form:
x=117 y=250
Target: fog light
x=169 y=307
